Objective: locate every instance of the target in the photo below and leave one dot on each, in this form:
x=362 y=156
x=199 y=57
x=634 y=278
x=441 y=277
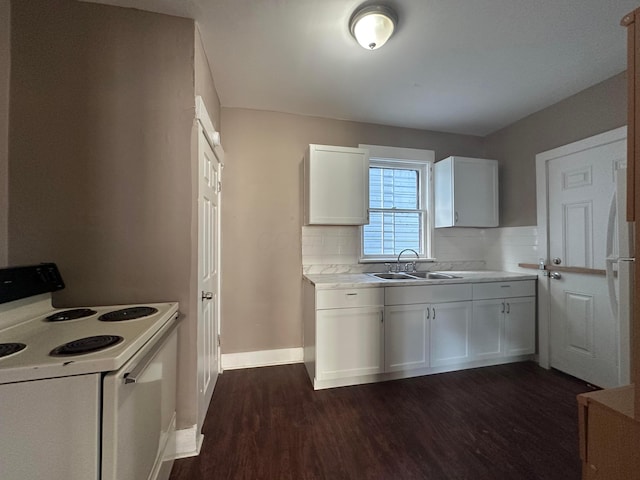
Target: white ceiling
x=460 y=66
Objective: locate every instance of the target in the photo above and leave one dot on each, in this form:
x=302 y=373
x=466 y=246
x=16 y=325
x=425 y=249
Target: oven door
x=139 y=411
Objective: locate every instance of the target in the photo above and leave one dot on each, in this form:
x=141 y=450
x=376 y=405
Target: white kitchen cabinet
x=503 y=322
x=420 y=334
x=520 y=326
x=343 y=334
x=487 y=327
x=449 y=335
x=406 y=337
x=336 y=185
x=466 y=192
x=369 y=334
x=349 y=342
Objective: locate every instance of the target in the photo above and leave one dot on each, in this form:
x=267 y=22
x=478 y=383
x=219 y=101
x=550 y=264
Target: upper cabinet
x=336 y=185
x=466 y=192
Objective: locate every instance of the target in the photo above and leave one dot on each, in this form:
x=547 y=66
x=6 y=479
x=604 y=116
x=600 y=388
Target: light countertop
x=327 y=281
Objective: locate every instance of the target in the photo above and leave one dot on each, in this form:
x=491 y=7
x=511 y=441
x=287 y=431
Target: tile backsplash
x=334 y=249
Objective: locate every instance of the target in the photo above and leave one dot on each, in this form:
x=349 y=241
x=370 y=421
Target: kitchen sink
x=433 y=275
x=392 y=276
x=414 y=276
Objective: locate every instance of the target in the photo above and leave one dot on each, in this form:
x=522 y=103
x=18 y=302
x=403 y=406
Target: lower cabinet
x=406 y=337
x=364 y=335
x=504 y=326
x=349 y=342
x=520 y=326
x=449 y=337
x=426 y=335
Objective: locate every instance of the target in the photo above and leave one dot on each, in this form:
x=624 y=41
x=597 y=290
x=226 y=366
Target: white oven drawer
x=139 y=409
x=49 y=429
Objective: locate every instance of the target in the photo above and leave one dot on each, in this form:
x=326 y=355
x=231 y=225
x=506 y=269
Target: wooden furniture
x=609 y=429
x=633 y=176
x=609 y=435
x=336 y=185
x=466 y=192
x=370 y=334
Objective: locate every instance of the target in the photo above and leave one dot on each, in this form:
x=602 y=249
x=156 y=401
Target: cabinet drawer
x=349 y=297
x=522 y=288
x=417 y=294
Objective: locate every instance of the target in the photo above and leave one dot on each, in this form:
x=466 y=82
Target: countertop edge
x=327 y=281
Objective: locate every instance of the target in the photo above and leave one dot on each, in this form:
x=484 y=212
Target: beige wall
x=594 y=110
x=204 y=84
x=261 y=215
x=102 y=114
x=5 y=64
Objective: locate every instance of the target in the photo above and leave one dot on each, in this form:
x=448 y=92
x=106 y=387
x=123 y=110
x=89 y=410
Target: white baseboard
x=188 y=442
x=261 y=358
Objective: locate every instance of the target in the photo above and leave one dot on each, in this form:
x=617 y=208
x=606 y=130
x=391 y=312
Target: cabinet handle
x=508 y=307
x=456 y=218
x=434 y=313
x=428 y=313
x=351 y=294
x=502 y=308
x=381 y=317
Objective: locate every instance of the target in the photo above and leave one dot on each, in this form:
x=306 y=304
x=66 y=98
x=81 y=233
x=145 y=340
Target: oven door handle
x=138 y=371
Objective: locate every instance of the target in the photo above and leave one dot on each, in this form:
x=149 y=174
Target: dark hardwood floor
x=507 y=422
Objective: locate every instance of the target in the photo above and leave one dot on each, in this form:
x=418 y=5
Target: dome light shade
x=372 y=26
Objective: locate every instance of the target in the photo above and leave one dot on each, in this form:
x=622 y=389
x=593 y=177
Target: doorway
x=578 y=331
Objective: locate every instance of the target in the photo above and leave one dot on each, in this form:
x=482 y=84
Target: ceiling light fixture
x=372 y=26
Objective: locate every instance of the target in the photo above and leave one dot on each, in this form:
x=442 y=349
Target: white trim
x=416 y=154
x=542 y=191
x=188 y=442
x=408 y=158
x=213 y=136
x=261 y=358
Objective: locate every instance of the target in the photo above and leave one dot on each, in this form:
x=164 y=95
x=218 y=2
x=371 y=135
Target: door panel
x=208 y=274
x=583 y=330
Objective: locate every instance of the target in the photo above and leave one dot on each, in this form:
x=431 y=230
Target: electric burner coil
x=86 y=345
x=7 y=349
x=71 y=314
x=130 y=313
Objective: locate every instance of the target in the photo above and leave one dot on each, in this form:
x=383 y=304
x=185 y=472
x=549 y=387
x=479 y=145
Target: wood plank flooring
x=508 y=422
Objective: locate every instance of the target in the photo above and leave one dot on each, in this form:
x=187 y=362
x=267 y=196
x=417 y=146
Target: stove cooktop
x=57 y=341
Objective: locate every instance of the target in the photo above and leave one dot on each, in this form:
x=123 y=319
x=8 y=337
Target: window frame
x=410 y=159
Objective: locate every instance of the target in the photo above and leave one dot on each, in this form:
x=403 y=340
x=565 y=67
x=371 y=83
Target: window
x=399 y=193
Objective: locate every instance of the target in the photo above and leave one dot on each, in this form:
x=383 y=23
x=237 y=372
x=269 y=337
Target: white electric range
x=85 y=393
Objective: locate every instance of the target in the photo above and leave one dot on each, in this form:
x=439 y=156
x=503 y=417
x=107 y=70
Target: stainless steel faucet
x=410 y=266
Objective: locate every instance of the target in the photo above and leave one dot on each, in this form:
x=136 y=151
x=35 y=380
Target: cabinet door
x=475 y=193
x=337 y=186
x=520 y=326
x=486 y=329
x=406 y=345
x=449 y=333
x=466 y=192
x=349 y=342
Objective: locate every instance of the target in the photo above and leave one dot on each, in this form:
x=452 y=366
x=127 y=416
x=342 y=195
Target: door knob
x=555 y=275
x=207 y=295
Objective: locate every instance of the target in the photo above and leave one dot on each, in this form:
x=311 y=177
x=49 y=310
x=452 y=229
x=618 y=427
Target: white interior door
x=583 y=329
x=208 y=272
